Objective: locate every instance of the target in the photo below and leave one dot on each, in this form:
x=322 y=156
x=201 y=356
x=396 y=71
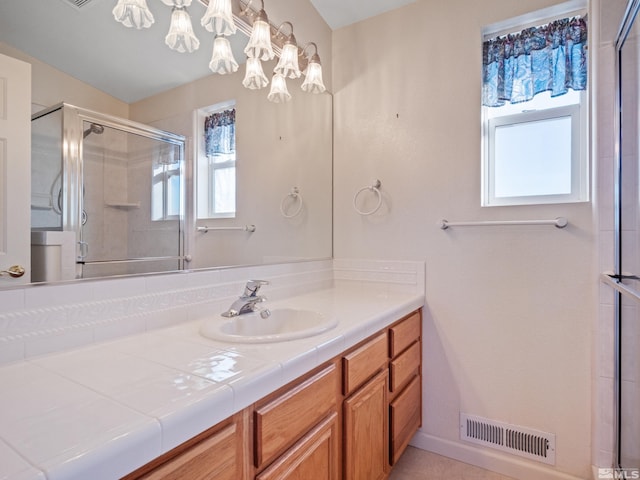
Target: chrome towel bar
x=246 y=228
x=559 y=222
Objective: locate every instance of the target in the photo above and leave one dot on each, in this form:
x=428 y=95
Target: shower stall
x=626 y=278
x=107 y=196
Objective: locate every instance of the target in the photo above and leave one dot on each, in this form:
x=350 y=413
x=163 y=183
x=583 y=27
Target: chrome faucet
x=249 y=300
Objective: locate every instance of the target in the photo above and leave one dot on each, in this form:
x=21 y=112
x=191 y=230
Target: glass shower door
x=131 y=214
x=628 y=244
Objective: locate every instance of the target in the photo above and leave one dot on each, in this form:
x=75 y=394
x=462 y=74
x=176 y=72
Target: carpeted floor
x=416 y=464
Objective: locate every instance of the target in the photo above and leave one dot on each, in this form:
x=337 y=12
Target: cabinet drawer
x=283 y=421
x=361 y=364
x=405 y=366
x=218 y=456
x=405 y=417
x=404 y=334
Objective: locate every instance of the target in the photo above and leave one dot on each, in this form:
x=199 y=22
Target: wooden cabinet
x=405 y=386
x=315 y=456
x=366 y=431
x=217 y=453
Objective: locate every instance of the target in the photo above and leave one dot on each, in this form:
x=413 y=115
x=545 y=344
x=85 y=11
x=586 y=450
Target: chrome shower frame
x=73 y=134
x=631 y=12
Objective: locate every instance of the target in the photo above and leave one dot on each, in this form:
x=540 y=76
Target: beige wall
x=509 y=309
x=50 y=86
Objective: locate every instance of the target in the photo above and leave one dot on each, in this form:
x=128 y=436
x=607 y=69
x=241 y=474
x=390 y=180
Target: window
x=216 y=166
x=165 y=191
x=535 y=115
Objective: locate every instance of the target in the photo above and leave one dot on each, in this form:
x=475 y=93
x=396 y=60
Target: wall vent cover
x=77 y=3
x=522 y=441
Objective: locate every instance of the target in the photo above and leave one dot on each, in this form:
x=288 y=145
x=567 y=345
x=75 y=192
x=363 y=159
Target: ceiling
x=89 y=45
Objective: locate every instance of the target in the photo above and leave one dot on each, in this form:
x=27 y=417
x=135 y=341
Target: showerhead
x=93 y=128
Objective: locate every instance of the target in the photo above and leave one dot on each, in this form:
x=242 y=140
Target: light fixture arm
x=315 y=57
x=286 y=37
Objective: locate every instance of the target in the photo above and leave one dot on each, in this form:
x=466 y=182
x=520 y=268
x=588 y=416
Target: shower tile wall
x=603 y=399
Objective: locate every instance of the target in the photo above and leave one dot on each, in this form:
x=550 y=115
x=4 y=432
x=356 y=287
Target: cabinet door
x=218 y=456
x=366 y=431
x=315 y=456
x=406 y=417
x=284 y=420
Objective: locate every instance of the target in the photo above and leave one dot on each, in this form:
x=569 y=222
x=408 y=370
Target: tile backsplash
x=42 y=319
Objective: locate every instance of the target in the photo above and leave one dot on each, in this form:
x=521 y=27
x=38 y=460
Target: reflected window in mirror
x=165 y=199
x=216 y=164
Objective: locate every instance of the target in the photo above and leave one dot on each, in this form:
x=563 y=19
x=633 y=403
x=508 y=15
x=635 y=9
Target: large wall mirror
x=283 y=168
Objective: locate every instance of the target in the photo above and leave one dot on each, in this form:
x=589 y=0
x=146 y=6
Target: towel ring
x=375 y=188
x=295 y=194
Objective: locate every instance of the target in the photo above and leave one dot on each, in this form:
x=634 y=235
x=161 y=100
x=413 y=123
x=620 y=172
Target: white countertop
x=102 y=411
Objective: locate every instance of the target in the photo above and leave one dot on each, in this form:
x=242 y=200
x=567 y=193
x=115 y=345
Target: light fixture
x=313 y=73
x=181 y=37
x=219 y=18
x=222 y=60
x=279 y=92
x=254 y=77
x=259 y=45
x=288 y=63
x=133 y=13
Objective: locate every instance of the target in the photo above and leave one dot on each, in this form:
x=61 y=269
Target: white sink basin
x=283 y=324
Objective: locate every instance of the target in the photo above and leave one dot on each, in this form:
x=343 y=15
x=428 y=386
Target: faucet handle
x=252 y=287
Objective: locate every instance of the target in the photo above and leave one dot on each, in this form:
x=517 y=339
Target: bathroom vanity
x=351 y=418
x=152 y=397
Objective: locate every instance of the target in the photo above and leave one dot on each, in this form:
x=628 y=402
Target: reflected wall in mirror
x=106 y=196
x=279 y=147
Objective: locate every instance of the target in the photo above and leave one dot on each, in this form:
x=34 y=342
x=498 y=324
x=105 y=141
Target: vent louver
x=522 y=441
x=77 y=3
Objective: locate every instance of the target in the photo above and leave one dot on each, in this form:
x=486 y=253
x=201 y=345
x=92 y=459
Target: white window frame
x=163 y=178
x=579 y=163
x=579 y=123
x=200 y=116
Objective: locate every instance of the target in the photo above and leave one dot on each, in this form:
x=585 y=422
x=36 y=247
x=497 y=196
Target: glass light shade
x=133 y=13
x=254 y=78
x=177 y=3
x=181 y=37
x=219 y=18
x=279 y=92
x=288 y=63
x=222 y=60
x=313 y=78
x=259 y=45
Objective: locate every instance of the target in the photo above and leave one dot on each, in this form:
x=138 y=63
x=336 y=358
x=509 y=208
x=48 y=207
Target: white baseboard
x=485 y=458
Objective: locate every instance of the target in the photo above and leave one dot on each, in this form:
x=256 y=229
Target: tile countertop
x=102 y=411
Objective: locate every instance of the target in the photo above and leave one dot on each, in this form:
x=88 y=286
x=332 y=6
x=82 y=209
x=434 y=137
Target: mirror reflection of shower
x=95 y=196
x=93 y=128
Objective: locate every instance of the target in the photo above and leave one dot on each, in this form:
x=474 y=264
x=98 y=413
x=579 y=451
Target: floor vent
x=522 y=441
